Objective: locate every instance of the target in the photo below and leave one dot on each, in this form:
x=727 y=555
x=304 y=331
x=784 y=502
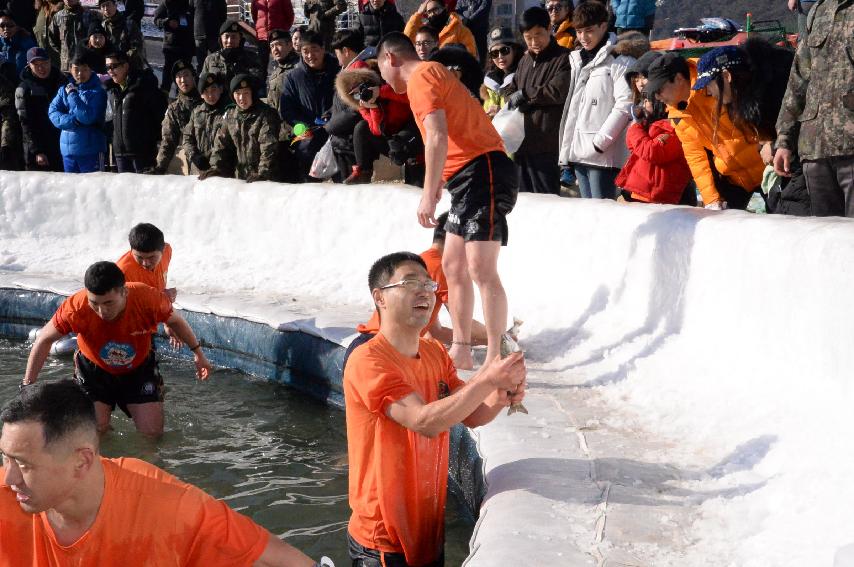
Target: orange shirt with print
x=433 y=259
x=120 y=345
x=155 y=278
x=398 y=478
x=432 y=87
x=147 y=517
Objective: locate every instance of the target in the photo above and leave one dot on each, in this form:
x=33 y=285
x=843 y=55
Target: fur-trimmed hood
x=631 y=43
x=347 y=81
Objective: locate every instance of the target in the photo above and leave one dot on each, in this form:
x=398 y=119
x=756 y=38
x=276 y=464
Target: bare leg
x=102 y=414
x=483 y=269
x=460 y=299
x=148 y=418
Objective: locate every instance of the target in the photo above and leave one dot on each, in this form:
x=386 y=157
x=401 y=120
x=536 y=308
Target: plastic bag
x=324 y=165
x=510 y=125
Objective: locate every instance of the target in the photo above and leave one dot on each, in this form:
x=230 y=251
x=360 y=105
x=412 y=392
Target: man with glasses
x=14 y=42
x=426 y=42
x=402 y=395
x=560 y=18
x=449 y=25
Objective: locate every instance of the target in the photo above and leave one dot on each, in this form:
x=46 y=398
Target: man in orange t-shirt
x=61 y=503
x=402 y=396
x=115 y=363
x=463 y=151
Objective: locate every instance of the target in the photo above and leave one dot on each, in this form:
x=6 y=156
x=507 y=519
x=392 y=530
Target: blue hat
x=36 y=54
x=715 y=61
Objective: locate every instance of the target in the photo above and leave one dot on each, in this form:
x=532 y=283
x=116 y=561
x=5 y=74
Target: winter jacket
x=544 y=79
x=137 y=111
x=69 y=29
x=374 y=24
x=344 y=118
x=656 y=171
x=22 y=11
x=392 y=112
x=172 y=129
x=565 y=34
x=32 y=100
x=125 y=35
x=231 y=62
x=180 y=39
x=80 y=116
x=10 y=128
x=208 y=16
x=633 y=14
x=597 y=109
x=40 y=33
x=735 y=156
x=276 y=80
x=270 y=15
x=817 y=117
x=134 y=11
x=495 y=88
x=454 y=32
x=15 y=50
x=471 y=71
x=321 y=15
x=201 y=131
x=307 y=94
x=248 y=142
x=475 y=15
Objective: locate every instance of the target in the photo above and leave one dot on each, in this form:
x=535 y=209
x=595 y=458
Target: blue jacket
x=15 y=51
x=633 y=14
x=307 y=94
x=80 y=116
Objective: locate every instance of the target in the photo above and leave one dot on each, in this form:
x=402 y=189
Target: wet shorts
x=142 y=385
x=483 y=193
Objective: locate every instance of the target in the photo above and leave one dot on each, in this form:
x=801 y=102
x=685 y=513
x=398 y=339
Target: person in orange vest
x=451 y=28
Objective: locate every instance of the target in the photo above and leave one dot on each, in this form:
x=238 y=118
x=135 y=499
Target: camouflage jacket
x=276 y=80
x=238 y=61
x=67 y=30
x=172 y=129
x=126 y=36
x=817 y=116
x=201 y=131
x=11 y=139
x=248 y=142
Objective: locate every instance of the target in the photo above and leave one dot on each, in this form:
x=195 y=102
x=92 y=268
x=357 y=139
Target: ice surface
x=690 y=371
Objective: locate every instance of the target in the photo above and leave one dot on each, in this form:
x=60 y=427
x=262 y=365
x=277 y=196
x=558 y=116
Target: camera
x=641 y=114
x=364 y=92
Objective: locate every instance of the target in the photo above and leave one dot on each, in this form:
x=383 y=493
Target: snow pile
x=721 y=333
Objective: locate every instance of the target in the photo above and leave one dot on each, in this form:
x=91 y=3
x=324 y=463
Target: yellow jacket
x=563 y=36
x=454 y=32
x=735 y=156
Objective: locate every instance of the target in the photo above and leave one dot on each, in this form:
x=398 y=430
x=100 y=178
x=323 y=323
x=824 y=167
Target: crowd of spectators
x=602 y=115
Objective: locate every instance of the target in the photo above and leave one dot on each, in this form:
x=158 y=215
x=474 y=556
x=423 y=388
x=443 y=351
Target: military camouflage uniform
x=276 y=81
x=238 y=61
x=201 y=132
x=817 y=115
x=68 y=30
x=126 y=36
x=172 y=131
x=248 y=142
x=11 y=137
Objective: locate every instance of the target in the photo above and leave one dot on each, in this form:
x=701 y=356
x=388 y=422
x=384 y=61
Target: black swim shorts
x=483 y=192
x=141 y=385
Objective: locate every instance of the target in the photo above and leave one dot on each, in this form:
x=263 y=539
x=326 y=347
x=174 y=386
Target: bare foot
x=461 y=355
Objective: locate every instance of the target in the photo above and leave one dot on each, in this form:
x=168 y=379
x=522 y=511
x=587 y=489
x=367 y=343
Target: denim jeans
x=596 y=182
x=366 y=557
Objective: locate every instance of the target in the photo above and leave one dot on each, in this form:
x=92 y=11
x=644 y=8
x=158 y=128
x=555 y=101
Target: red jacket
x=270 y=15
x=656 y=171
x=391 y=114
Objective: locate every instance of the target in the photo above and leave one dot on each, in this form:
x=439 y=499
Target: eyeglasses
x=114 y=66
x=414 y=285
x=428 y=43
x=555 y=7
x=503 y=50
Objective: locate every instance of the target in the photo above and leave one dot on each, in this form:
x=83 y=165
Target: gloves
x=397 y=150
x=518 y=101
x=213 y=172
x=253 y=177
x=716 y=206
x=201 y=162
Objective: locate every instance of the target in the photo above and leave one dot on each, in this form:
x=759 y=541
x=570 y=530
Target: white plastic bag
x=324 y=165
x=510 y=125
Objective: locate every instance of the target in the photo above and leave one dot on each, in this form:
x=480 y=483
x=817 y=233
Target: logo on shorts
x=117 y=354
x=148 y=389
x=453 y=218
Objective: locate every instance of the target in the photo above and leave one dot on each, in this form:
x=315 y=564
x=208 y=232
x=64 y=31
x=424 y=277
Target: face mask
x=229 y=52
x=438 y=21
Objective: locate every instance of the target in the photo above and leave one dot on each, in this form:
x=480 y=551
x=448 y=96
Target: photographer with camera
x=388 y=127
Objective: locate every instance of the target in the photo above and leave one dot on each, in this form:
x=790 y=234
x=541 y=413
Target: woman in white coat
x=597 y=110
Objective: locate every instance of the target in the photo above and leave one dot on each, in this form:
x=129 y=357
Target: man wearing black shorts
x=116 y=365
x=461 y=149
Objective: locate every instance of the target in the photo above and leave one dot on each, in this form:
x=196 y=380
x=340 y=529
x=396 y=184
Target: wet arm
x=280 y=554
x=41 y=348
x=435 y=152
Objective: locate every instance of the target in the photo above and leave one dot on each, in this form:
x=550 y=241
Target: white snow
x=690 y=370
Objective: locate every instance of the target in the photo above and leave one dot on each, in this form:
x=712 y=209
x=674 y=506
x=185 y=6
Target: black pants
x=538 y=173
x=367 y=146
x=346 y=159
x=305 y=151
x=170 y=57
x=203 y=48
x=133 y=164
x=264 y=58
x=830 y=183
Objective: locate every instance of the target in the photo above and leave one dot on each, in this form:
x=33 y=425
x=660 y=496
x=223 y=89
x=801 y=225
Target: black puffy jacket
x=138 y=111
x=32 y=99
x=181 y=38
x=374 y=24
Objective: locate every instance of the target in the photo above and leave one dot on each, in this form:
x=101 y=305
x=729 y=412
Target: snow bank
x=716 y=331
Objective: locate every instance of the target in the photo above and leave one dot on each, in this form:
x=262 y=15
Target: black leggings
x=367 y=146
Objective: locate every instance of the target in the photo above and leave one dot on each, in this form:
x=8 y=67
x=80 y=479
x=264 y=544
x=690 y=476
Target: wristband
x=198 y=345
x=460 y=343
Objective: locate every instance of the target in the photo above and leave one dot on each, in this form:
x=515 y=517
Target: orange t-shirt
x=156 y=278
x=433 y=260
x=398 y=478
x=116 y=346
x=470 y=131
x=147 y=517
